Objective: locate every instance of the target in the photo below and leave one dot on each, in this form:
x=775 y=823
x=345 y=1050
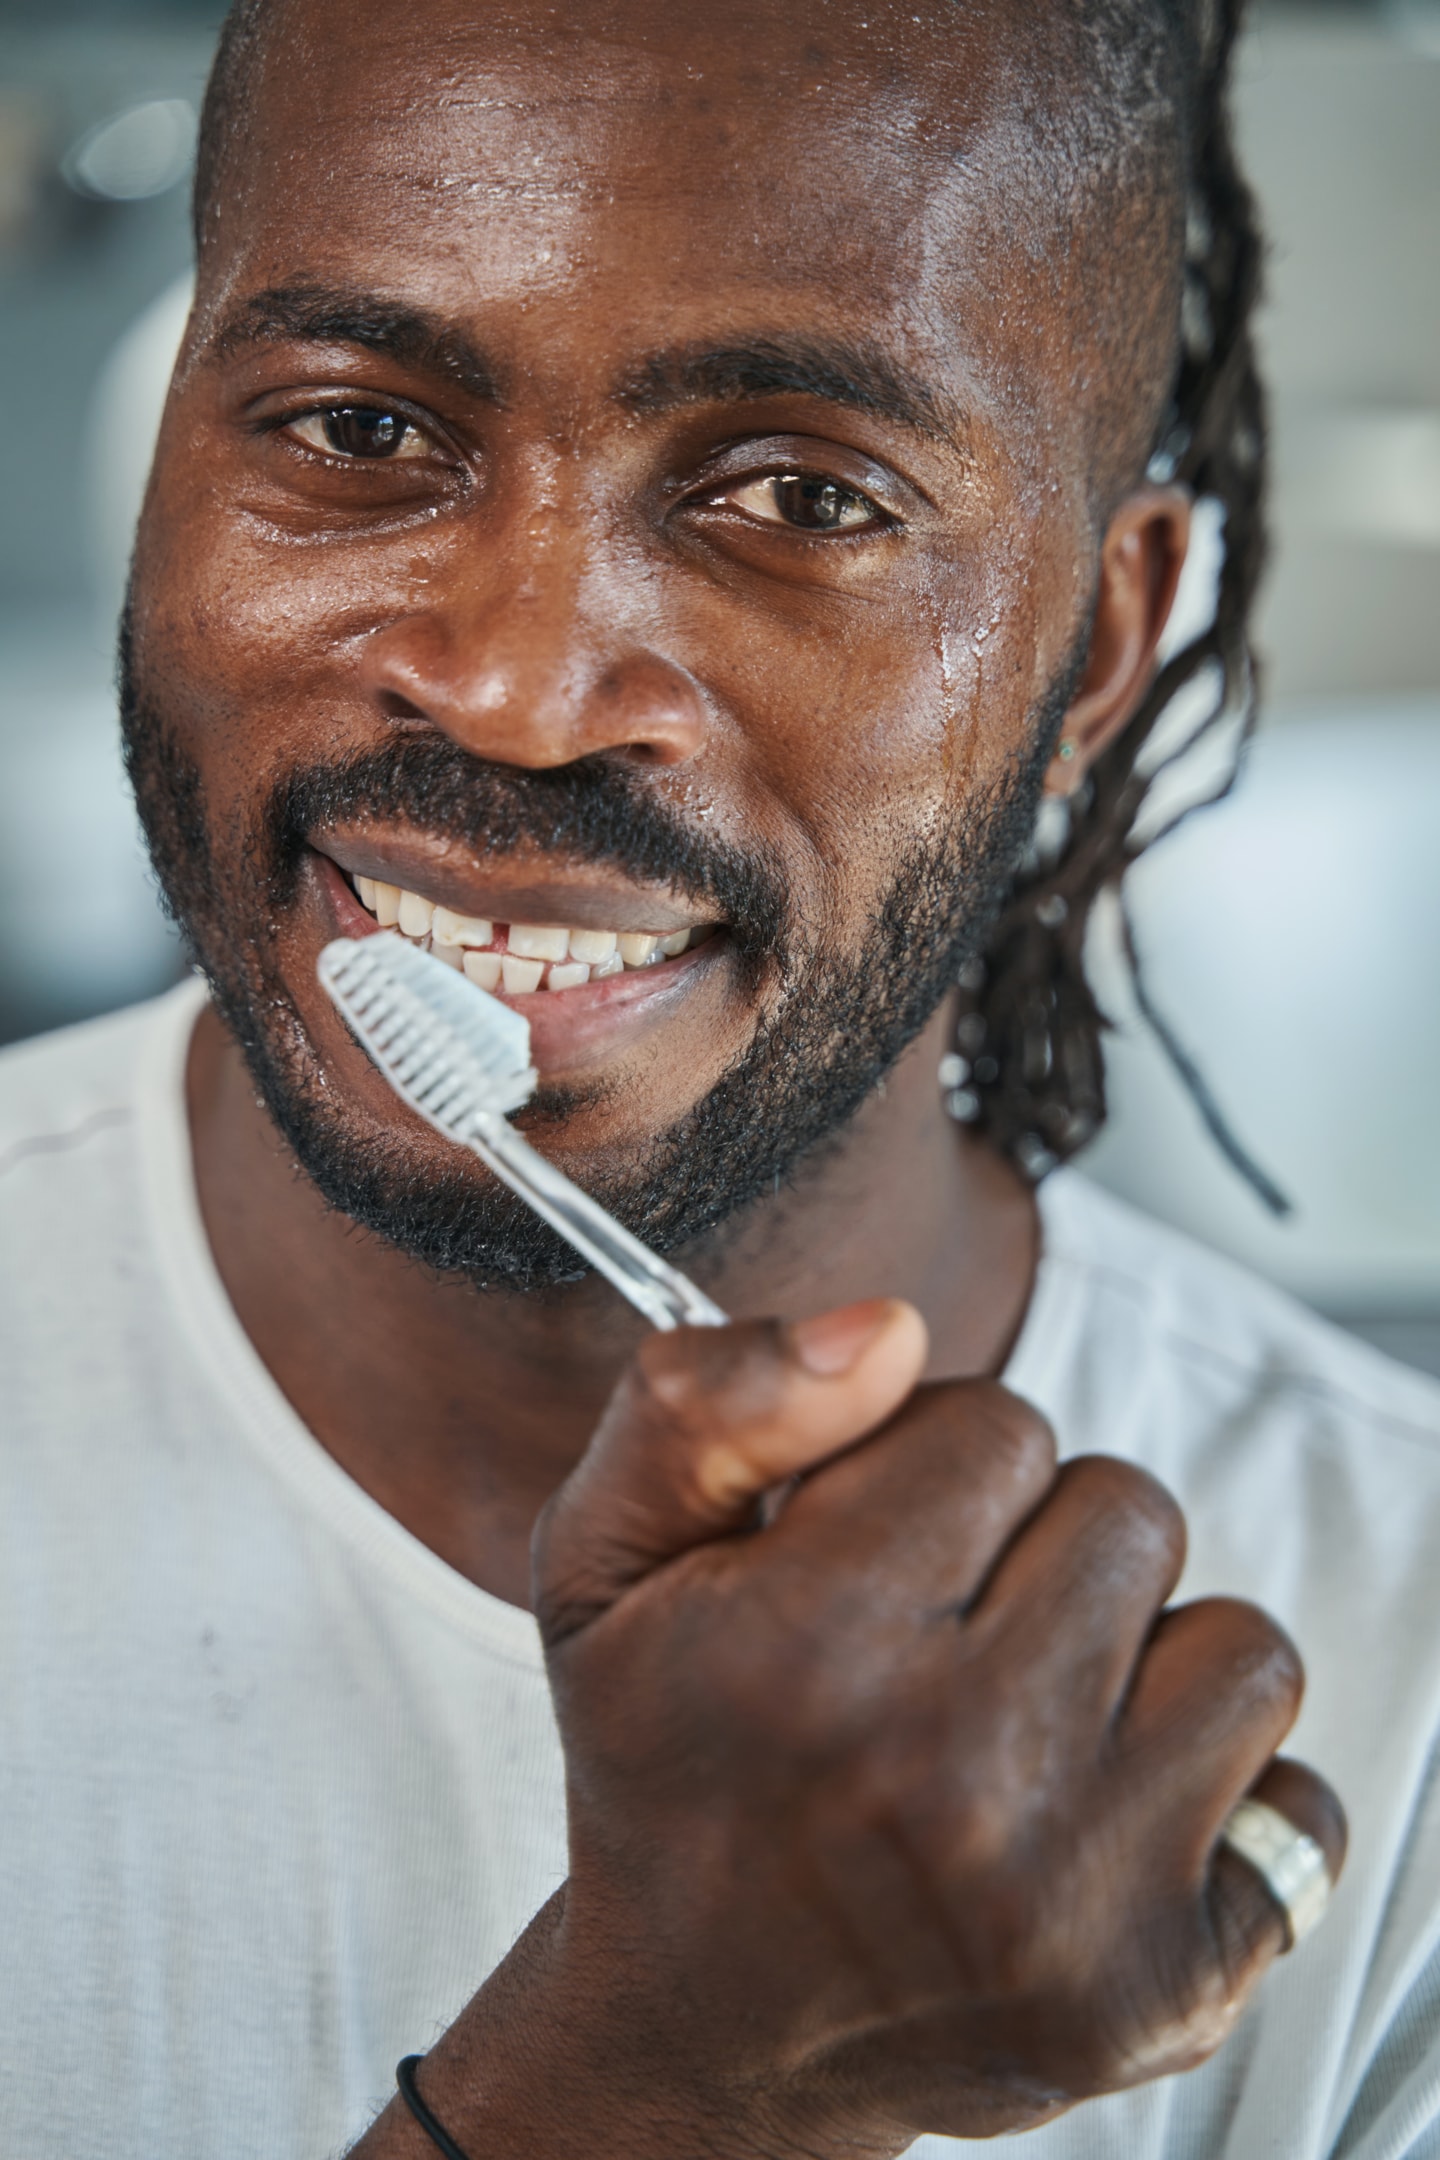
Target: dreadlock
x=1030 y=1075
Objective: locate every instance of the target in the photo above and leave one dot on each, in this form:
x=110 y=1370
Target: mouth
x=621 y=964
x=516 y=959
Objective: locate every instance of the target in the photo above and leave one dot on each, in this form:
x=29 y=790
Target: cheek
x=262 y=610
x=890 y=722
x=247 y=640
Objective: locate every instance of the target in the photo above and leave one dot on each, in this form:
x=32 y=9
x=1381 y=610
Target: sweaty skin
x=577 y=558
x=568 y=579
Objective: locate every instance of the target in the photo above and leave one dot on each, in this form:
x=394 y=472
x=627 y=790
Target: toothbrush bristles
x=450 y=1049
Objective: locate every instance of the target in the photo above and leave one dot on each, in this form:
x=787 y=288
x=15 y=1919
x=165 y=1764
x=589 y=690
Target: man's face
x=622 y=477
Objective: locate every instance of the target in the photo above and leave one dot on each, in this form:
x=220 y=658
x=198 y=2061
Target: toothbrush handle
x=667 y=1298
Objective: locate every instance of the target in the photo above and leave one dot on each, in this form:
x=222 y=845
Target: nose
x=529 y=664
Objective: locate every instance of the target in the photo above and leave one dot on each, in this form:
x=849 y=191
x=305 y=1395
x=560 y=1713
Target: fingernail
x=833 y=1342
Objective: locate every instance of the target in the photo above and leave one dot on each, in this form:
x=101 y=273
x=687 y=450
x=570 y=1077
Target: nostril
x=396 y=707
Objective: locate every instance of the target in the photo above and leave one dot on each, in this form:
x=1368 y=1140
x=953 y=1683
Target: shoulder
x=73 y=1092
x=85 y=1116
x=1158 y=1304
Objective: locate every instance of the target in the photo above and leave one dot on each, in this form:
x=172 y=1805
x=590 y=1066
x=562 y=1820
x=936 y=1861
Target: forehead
x=870 y=167
x=549 y=113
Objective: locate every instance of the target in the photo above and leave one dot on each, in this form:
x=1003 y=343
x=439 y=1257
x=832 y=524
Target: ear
x=1140 y=563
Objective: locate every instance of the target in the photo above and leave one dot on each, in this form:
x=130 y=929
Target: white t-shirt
x=278 y=1788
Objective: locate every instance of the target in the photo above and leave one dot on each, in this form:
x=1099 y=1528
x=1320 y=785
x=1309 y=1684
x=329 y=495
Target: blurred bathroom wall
x=1291 y=936
x=97 y=116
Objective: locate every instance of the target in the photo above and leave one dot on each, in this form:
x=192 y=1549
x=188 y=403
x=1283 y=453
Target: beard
x=834 y=1026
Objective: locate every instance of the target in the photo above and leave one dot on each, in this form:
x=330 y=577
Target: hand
x=898 y=1813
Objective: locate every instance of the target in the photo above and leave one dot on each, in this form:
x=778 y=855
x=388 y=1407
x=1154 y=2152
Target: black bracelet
x=410 y=2093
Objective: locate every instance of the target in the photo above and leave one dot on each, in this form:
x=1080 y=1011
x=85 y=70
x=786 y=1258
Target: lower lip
x=569 y=1029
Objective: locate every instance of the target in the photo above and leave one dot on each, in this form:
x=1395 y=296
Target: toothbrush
x=462 y=1060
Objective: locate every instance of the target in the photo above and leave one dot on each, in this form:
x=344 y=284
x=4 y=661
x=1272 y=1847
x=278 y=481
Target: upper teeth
x=516 y=957
x=540 y=941
x=448 y=928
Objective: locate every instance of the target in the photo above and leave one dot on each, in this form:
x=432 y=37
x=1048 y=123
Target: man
x=652 y=502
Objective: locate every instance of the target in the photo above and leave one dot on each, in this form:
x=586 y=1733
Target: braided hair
x=1029 y=1073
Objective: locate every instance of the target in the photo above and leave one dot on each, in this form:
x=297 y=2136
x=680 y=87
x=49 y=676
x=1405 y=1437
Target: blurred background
x=1291 y=935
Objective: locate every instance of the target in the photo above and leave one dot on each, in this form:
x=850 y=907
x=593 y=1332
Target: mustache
x=594 y=811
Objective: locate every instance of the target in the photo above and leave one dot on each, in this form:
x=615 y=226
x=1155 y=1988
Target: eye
x=806 y=501
x=370 y=432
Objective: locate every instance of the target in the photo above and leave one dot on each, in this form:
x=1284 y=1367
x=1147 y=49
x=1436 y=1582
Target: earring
x=1067 y=748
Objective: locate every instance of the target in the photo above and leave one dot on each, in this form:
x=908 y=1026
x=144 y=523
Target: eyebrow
x=340 y=315
x=857 y=376
x=835 y=371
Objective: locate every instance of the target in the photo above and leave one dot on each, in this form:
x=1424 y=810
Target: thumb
x=703 y=1423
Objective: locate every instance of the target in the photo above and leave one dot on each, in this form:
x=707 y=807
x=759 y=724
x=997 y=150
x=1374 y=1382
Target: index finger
x=703 y=1423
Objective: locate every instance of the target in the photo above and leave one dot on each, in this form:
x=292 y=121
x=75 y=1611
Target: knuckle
x=664 y=1394
x=1254 y=1652
x=700 y=1377
x=1016 y=1435
x=1132 y=1504
x=663 y=1376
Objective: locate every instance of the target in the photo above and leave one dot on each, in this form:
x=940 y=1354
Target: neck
x=460 y=1411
